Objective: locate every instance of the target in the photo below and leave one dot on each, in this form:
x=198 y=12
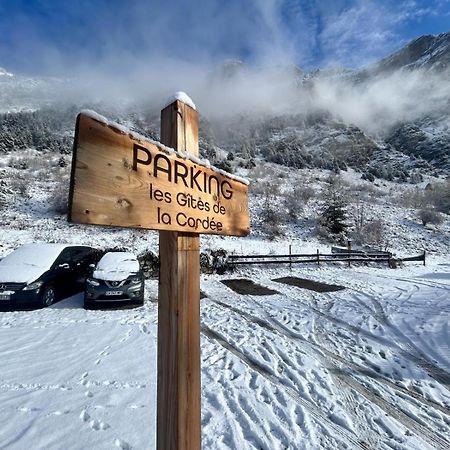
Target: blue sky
x=53 y=37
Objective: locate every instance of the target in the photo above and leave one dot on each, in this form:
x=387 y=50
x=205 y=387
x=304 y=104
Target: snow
x=364 y=367
x=29 y=262
x=361 y=368
x=182 y=97
x=5 y=73
x=116 y=266
x=65 y=381
x=168 y=150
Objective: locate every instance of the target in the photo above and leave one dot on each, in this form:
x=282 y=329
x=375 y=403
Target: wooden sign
x=122 y=179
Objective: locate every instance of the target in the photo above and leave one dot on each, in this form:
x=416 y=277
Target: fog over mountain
x=392 y=105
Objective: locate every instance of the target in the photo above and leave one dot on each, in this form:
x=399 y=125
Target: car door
x=82 y=257
x=63 y=273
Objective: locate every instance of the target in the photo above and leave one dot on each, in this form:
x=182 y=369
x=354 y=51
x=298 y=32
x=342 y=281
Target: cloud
x=363 y=31
x=384 y=102
x=131 y=54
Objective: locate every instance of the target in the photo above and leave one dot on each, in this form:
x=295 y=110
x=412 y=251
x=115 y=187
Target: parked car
x=117 y=279
x=41 y=274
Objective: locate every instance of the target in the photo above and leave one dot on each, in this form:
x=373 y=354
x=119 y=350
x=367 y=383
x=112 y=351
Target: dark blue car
x=41 y=274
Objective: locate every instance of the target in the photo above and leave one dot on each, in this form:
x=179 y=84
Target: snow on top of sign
x=183 y=97
x=180 y=154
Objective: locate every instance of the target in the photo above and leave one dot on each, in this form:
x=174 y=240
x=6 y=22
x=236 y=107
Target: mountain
x=425 y=137
x=426 y=52
x=389 y=120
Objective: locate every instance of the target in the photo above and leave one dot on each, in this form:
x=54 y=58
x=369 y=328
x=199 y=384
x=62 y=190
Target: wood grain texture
x=179 y=385
x=118 y=180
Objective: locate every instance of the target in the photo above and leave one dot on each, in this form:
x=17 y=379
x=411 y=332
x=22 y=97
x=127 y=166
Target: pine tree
x=334 y=213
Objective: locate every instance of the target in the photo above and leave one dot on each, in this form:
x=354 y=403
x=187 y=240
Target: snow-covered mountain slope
x=397 y=108
x=426 y=52
x=428 y=139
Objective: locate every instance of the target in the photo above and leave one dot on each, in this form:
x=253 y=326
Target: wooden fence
x=322 y=258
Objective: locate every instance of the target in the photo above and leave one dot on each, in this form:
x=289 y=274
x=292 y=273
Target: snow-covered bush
x=271 y=219
x=439 y=195
x=59 y=197
x=19 y=187
x=429 y=216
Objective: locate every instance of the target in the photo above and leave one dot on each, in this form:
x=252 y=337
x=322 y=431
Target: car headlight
x=33 y=286
x=92 y=282
x=135 y=280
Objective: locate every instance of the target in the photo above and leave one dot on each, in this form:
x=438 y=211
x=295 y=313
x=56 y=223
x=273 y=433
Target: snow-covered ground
x=365 y=367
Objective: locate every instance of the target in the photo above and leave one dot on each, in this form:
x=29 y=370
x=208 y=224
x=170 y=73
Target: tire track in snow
x=274 y=325
x=279 y=382
x=410 y=422
x=436 y=374
x=411 y=352
x=348 y=396
x=433 y=284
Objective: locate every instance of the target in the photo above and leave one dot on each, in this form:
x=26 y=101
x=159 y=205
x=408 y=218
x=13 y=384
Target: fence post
x=318 y=258
x=424 y=256
x=290 y=260
x=349 y=250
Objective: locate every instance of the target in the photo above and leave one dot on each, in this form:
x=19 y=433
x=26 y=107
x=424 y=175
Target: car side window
x=84 y=256
x=65 y=257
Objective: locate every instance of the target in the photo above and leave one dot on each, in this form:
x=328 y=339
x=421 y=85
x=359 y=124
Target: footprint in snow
x=88 y=394
x=84 y=416
x=60 y=413
x=94 y=424
x=25 y=409
x=122 y=444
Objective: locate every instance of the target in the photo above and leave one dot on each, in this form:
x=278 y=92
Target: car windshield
x=37 y=255
x=118 y=262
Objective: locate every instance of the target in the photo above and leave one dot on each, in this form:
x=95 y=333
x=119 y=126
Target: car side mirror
x=64 y=266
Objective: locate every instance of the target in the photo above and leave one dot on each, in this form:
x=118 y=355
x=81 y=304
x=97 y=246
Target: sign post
x=179 y=396
x=123 y=179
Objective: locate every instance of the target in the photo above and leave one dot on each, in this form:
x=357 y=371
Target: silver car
x=117 y=279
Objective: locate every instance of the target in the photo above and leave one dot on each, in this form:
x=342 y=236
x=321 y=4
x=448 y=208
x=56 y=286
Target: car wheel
x=140 y=300
x=88 y=305
x=48 y=297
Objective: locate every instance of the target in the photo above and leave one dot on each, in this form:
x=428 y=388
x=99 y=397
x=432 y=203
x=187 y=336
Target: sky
x=54 y=37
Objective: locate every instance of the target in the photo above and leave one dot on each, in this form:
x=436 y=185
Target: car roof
x=118 y=257
x=40 y=254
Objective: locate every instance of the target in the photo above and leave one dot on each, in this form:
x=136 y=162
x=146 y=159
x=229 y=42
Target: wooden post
x=178 y=397
x=318 y=257
x=290 y=257
x=349 y=251
x=424 y=256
